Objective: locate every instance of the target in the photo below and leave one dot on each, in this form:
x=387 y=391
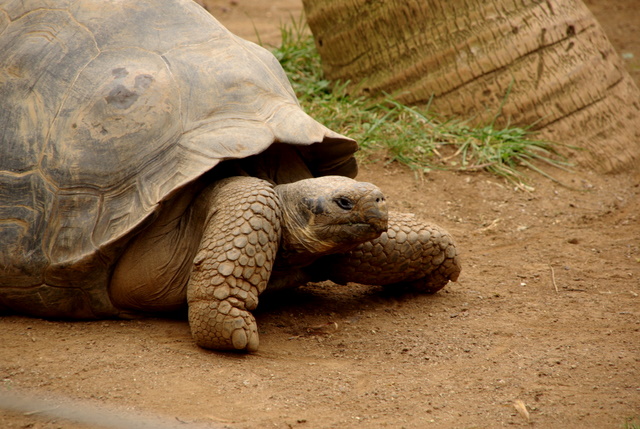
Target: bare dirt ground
x=546 y=315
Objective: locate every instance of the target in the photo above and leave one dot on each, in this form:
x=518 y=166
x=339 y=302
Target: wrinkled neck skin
x=299 y=246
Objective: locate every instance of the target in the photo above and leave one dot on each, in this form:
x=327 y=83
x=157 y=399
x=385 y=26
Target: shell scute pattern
x=129 y=104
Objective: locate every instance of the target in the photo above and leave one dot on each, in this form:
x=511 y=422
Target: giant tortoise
x=151 y=161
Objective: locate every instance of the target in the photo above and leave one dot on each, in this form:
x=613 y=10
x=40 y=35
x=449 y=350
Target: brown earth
x=546 y=315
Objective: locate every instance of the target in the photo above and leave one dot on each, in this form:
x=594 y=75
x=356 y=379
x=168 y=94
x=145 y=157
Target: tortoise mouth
x=359 y=232
x=378 y=227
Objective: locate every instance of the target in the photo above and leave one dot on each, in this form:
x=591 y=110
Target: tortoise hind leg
x=410 y=254
x=233 y=263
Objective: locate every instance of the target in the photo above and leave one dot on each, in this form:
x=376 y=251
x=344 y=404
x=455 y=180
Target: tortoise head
x=330 y=214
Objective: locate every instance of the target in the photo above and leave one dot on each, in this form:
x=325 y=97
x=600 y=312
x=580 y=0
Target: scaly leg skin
x=233 y=264
x=410 y=254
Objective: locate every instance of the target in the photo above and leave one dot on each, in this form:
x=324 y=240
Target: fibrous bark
x=547 y=63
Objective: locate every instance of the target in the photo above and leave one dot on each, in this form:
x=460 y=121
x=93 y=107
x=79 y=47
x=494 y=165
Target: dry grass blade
x=521 y=408
x=553 y=278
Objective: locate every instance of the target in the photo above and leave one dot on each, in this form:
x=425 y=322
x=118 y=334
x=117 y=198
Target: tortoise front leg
x=413 y=253
x=233 y=264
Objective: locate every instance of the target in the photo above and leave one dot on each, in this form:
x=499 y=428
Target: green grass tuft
x=632 y=423
x=413 y=136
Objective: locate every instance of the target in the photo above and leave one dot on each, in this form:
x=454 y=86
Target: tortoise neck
x=299 y=246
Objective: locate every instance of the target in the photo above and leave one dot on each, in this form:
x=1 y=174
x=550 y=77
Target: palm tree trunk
x=546 y=63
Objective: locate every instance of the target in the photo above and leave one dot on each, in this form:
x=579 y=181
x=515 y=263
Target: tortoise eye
x=344 y=203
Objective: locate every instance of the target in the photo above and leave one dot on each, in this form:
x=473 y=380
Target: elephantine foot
x=410 y=254
x=233 y=263
x=222 y=325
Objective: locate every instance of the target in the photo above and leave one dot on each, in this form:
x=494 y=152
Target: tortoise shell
x=108 y=110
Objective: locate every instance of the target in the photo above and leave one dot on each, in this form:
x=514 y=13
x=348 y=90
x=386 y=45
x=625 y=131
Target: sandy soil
x=545 y=316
